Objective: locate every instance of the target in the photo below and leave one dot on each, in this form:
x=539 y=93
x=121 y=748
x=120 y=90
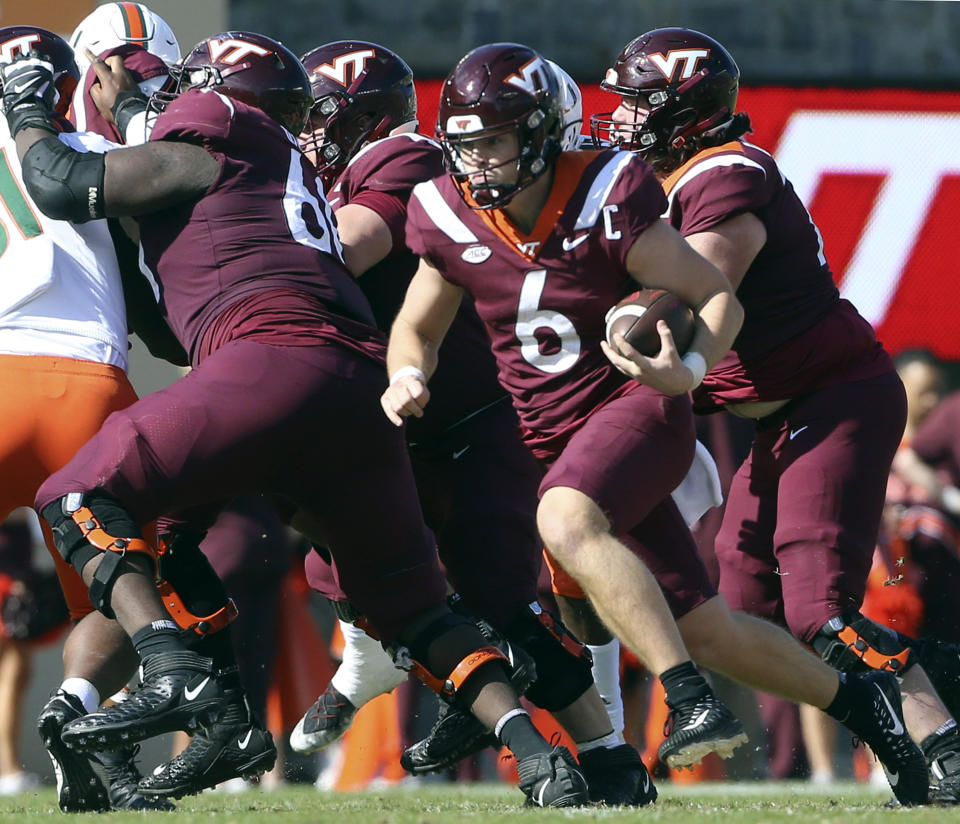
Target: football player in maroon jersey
x=803 y=513
x=477 y=482
x=545 y=243
x=287 y=370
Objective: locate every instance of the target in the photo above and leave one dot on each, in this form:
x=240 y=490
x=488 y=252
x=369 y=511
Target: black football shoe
x=877 y=720
x=457 y=734
x=943 y=758
x=123 y=776
x=79 y=788
x=697 y=728
x=178 y=691
x=325 y=723
x=617 y=777
x=553 y=779
x=235 y=745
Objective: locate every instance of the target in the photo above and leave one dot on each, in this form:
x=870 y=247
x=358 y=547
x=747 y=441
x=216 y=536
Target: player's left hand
x=113 y=78
x=665 y=372
x=27 y=80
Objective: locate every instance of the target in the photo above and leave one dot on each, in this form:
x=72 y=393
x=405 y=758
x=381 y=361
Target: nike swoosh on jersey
x=795 y=432
x=572 y=243
x=190 y=694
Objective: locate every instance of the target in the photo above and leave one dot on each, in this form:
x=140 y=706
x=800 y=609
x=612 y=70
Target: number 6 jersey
x=543 y=296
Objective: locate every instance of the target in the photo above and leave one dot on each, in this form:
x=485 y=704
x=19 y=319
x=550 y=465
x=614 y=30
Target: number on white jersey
x=17 y=214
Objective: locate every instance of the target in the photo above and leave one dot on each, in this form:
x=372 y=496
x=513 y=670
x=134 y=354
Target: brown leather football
x=635 y=317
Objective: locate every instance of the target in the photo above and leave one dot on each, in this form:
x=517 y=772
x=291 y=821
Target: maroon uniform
x=543 y=298
x=477 y=482
x=142 y=66
x=803 y=511
x=284 y=396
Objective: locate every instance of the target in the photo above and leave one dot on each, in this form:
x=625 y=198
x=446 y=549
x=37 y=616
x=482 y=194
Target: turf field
x=753 y=803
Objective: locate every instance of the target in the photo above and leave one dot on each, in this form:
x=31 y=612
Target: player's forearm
x=719 y=319
x=410 y=348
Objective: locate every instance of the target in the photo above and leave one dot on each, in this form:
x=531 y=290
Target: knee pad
x=415 y=657
x=191 y=590
x=563 y=663
x=89 y=524
x=853 y=643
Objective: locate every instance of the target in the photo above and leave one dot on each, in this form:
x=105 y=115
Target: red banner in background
x=879 y=171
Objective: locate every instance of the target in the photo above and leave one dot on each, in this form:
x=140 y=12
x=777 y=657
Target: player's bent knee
x=853 y=643
x=87 y=525
x=563 y=663
x=419 y=656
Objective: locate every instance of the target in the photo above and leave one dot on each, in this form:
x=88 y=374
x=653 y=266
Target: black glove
x=28 y=93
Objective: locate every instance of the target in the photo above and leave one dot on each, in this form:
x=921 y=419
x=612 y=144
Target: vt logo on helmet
x=249 y=67
x=678 y=91
x=362 y=92
x=502 y=91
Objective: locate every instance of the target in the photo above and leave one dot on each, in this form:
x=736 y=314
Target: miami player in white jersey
x=63 y=361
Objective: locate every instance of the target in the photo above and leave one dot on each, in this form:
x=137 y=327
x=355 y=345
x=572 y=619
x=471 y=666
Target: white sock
x=87 y=693
x=606 y=675
x=607 y=742
x=366 y=671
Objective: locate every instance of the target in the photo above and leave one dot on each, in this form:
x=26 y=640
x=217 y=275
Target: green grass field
x=752 y=803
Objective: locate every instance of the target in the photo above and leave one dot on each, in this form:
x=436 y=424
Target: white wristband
x=697 y=364
x=412 y=371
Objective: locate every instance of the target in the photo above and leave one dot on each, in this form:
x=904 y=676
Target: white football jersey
x=60 y=288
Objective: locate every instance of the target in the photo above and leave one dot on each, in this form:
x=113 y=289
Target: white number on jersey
x=531 y=317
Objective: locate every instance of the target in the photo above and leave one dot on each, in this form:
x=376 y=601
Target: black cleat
x=79 y=788
x=943 y=757
x=325 y=723
x=457 y=734
x=617 y=777
x=553 y=779
x=178 y=691
x=234 y=746
x=877 y=720
x=697 y=728
x=120 y=768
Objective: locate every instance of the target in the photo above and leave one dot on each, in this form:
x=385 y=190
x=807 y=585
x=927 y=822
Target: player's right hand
x=113 y=78
x=406 y=396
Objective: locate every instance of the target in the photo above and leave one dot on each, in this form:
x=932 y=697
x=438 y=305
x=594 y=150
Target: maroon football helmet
x=687 y=84
x=361 y=93
x=20 y=40
x=252 y=68
x=496 y=89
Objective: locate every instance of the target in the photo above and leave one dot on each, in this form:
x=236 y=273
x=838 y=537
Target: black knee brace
x=90 y=524
x=191 y=590
x=563 y=664
x=415 y=657
x=854 y=643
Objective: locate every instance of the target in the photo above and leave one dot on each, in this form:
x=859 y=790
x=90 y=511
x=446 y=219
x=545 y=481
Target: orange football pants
x=49 y=408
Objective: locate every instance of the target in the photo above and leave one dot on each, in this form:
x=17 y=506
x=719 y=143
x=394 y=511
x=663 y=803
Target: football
x=635 y=317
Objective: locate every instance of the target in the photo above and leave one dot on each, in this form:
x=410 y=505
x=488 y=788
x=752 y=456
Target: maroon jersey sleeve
x=723 y=192
x=642 y=202
x=197 y=116
x=382 y=176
